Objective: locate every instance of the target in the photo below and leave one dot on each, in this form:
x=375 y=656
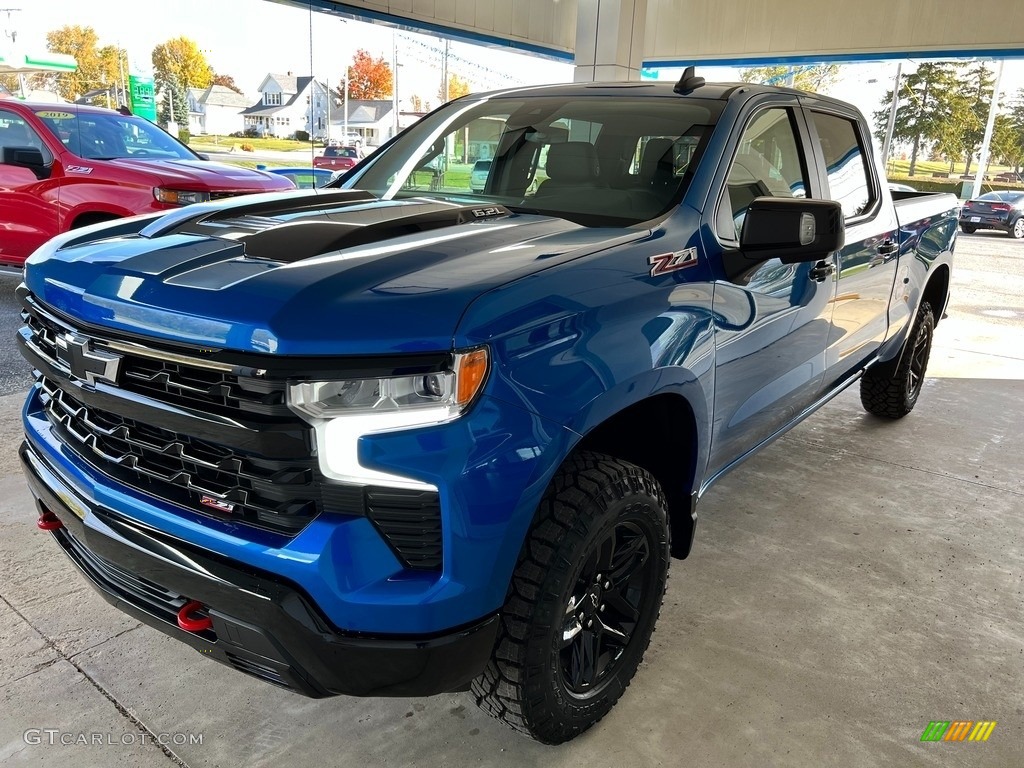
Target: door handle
x=821 y=270
x=888 y=248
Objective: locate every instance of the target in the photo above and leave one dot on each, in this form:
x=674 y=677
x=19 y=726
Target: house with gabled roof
x=288 y=104
x=216 y=109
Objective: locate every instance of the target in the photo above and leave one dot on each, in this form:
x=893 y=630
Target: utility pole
x=444 y=73
x=891 y=126
x=986 y=143
x=394 y=84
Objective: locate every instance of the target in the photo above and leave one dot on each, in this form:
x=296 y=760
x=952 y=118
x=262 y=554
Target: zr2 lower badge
x=664 y=263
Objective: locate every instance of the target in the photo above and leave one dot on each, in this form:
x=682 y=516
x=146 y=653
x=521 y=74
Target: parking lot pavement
x=849 y=584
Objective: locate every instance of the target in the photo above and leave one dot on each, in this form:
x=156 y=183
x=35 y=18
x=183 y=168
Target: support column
x=609 y=39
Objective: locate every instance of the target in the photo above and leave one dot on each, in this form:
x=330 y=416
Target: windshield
x=597 y=160
x=103 y=136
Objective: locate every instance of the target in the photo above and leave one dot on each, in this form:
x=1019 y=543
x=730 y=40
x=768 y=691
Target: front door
x=772 y=321
x=28 y=205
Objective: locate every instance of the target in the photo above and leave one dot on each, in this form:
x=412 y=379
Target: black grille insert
x=410 y=522
x=282 y=496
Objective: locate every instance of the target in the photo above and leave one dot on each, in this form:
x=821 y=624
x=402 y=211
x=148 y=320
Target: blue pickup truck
x=401 y=437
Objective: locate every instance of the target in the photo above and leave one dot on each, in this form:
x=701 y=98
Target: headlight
x=179 y=196
x=344 y=410
x=424 y=397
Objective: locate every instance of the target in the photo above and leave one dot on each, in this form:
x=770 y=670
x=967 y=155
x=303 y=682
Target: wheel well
x=660 y=435
x=936 y=292
x=85 y=219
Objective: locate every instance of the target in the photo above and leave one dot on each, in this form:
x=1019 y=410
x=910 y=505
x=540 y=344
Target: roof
x=222 y=96
x=365 y=111
x=719 y=91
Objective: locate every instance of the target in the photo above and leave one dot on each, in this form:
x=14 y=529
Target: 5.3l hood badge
x=87 y=364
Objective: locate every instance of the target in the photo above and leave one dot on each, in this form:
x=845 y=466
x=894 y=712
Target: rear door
x=866 y=267
x=28 y=204
x=771 y=320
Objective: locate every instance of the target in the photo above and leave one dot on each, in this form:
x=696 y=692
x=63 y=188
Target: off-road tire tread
x=883 y=387
x=585 y=478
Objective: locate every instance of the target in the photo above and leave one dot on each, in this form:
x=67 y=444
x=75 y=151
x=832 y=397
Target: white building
x=288 y=104
x=216 y=109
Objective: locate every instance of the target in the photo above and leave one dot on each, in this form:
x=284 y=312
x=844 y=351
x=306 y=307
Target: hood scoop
x=299 y=240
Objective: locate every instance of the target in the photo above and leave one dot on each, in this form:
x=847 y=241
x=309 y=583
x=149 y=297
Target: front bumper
x=261 y=624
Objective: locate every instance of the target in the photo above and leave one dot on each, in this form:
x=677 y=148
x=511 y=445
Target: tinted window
x=848 y=180
x=768 y=163
x=15 y=132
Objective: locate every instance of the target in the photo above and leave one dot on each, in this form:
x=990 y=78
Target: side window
x=15 y=132
x=848 y=180
x=768 y=163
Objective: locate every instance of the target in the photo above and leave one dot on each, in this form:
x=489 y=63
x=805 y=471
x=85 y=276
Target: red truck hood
x=203 y=175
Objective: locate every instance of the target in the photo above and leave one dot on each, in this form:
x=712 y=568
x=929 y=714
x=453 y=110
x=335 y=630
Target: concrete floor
x=849 y=584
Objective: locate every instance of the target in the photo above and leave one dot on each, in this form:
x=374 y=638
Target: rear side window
x=848 y=180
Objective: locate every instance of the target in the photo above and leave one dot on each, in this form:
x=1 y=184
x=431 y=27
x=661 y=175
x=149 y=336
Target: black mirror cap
x=792 y=229
x=27 y=157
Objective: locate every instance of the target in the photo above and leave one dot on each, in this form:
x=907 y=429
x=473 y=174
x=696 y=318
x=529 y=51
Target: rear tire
x=967 y=229
x=583 y=601
x=1017 y=230
x=890 y=390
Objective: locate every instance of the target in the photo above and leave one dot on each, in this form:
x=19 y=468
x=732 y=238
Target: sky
x=249 y=38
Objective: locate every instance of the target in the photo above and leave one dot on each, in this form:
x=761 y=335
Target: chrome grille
x=155 y=373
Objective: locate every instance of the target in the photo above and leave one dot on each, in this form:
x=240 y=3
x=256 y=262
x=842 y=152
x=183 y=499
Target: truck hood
x=203 y=175
x=307 y=273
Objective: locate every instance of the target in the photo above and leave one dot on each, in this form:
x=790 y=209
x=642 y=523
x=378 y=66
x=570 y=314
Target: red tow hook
x=48 y=521
x=190 y=624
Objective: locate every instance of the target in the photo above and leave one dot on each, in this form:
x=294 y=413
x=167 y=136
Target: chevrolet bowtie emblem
x=87 y=364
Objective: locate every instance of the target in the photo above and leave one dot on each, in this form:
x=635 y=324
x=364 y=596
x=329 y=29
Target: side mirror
x=792 y=230
x=203 y=156
x=27 y=157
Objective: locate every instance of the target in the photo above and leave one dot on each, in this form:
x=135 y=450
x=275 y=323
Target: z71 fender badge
x=664 y=263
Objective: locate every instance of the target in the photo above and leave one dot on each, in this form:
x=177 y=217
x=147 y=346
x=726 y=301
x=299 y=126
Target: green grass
x=220 y=143
x=925 y=168
x=265 y=163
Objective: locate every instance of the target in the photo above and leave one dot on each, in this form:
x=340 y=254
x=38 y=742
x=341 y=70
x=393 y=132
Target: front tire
x=890 y=390
x=583 y=601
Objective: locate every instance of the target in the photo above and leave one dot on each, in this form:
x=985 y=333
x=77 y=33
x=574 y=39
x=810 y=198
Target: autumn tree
x=814 y=78
x=227 y=81
x=99 y=67
x=369 y=78
x=181 y=59
x=456 y=87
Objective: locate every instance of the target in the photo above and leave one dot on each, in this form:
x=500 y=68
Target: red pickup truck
x=65 y=165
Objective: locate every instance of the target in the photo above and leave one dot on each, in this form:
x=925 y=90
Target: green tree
x=814 y=78
x=181 y=60
x=98 y=67
x=977 y=88
x=922 y=115
x=172 y=92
